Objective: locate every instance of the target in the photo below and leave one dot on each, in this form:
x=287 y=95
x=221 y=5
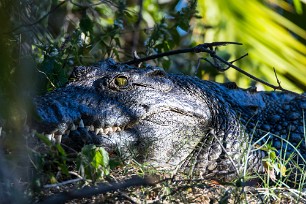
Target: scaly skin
x=171 y=120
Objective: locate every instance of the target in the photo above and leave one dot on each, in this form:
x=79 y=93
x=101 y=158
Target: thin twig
x=277 y=80
x=239 y=58
x=75 y=174
x=86 y=4
x=63 y=183
x=226 y=152
x=195 y=49
x=46 y=77
x=131 y=199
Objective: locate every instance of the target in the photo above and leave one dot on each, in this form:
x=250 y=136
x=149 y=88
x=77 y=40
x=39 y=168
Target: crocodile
x=172 y=121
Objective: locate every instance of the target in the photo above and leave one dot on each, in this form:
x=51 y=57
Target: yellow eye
x=121 y=81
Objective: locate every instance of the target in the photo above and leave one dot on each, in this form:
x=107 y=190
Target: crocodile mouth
x=97 y=129
x=57 y=135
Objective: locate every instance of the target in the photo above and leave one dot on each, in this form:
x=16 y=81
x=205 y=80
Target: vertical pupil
x=121 y=81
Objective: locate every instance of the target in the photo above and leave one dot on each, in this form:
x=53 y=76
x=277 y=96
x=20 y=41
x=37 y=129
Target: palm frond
x=270 y=39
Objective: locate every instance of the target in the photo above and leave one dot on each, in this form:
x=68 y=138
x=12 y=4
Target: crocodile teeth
x=73 y=127
x=107 y=130
x=58 y=139
x=98 y=130
x=50 y=136
x=81 y=124
x=91 y=128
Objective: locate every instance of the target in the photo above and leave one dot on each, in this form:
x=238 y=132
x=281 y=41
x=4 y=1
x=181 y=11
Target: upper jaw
x=101 y=121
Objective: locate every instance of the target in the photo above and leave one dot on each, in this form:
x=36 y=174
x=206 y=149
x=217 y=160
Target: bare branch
x=209 y=48
x=278 y=81
x=101 y=188
x=205 y=48
x=251 y=76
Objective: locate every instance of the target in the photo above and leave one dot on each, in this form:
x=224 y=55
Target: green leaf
x=44 y=139
x=64 y=168
x=166 y=63
x=272 y=155
x=61 y=150
x=93 y=162
x=105 y=156
x=97 y=159
x=53 y=180
x=298 y=6
x=283 y=169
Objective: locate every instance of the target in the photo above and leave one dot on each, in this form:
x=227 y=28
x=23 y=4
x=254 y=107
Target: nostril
x=146 y=107
x=79 y=72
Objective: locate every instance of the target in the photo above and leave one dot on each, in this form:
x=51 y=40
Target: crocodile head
x=144 y=112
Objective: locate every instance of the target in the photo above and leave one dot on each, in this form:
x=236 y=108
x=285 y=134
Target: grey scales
x=172 y=121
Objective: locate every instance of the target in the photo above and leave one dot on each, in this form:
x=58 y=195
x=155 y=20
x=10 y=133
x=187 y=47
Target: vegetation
x=42 y=41
x=272 y=33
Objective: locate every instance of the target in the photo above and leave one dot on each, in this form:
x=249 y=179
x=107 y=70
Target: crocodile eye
x=121 y=81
